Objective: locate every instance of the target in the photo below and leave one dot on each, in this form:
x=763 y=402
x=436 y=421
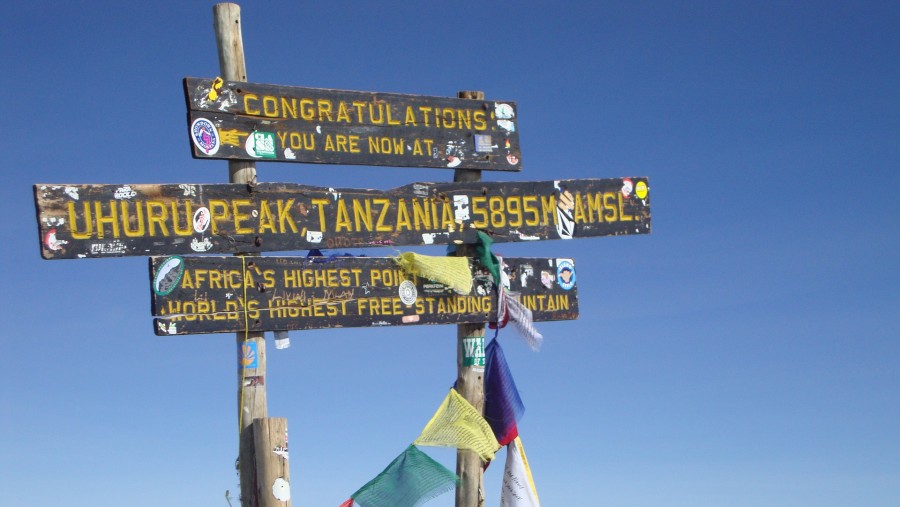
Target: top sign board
x=77 y=221
x=249 y=121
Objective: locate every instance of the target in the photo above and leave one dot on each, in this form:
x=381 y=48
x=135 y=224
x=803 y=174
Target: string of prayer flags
x=518 y=485
x=410 y=480
x=453 y=272
x=502 y=405
x=458 y=424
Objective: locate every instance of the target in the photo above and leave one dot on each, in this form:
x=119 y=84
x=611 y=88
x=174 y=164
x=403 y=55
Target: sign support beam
x=251 y=346
x=470 y=378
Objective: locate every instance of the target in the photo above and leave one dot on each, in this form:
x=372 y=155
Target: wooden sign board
x=250 y=121
x=202 y=294
x=83 y=221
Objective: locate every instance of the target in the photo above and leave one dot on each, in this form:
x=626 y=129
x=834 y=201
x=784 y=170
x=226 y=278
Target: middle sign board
x=78 y=221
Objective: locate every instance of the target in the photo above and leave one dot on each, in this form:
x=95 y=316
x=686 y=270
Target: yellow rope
x=246 y=338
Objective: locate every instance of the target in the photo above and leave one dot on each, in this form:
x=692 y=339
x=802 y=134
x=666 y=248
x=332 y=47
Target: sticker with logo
x=205 y=136
x=483 y=143
x=473 y=351
x=408 y=292
x=565 y=273
x=201 y=219
x=261 y=144
x=168 y=276
x=249 y=356
x=640 y=189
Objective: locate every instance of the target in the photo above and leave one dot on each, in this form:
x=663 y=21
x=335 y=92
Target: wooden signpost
x=247 y=294
x=250 y=121
x=192 y=295
x=78 y=221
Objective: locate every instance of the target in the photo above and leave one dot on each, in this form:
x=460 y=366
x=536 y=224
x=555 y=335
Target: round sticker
x=627 y=187
x=640 y=189
x=565 y=274
x=205 y=136
x=201 y=219
x=408 y=292
x=168 y=275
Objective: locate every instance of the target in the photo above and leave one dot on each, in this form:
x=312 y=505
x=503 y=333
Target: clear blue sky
x=745 y=353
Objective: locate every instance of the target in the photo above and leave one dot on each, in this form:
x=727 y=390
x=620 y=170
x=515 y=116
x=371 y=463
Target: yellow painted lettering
x=289 y=107
x=284 y=215
x=477 y=202
x=88 y=221
x=410 y=116
x=320 y=203
x=156 y=216
x=127 y=220
x=362 y=214
x=402 y=216
x=380 y=109
x=531 y=208
x=480 y=120
x=342 y=114
x=307 y=111
x=240 y=217
x=218 y=210
x=622 y=215
x=247 y=98
x=343 y=218
x=324 y=108
x=380 y=226
x=612 y=214
x=514 y=209
x=548 y=208
x=270 y=106
x=390 y=120
x=266 y=221
x=421 y=215
x=188 y=228
x=107 y=219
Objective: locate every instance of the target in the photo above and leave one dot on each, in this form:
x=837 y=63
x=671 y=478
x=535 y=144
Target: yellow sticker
x=640 y=189
x=214 y=89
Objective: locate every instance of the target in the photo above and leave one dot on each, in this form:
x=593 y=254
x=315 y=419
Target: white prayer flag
x=518 y=485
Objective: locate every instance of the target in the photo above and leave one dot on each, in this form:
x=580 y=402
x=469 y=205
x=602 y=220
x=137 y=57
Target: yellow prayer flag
x=458 y=424
x=453 y=272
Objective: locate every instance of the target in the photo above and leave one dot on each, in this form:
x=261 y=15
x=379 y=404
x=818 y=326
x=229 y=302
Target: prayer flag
x=458 y=424
x=453 y=272
x=518 y=485
x=502 y=404
x=410 y=480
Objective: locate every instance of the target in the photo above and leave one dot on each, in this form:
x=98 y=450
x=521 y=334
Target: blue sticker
x=565 y=273
x=249 y=357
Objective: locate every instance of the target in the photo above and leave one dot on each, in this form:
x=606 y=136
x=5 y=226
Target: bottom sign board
x=193 y=295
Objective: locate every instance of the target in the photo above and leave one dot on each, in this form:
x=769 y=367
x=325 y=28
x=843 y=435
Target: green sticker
x=473 y=351
x=261 y=144
x=168 y=275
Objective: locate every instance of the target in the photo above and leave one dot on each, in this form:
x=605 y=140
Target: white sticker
x=281 y=490
x=408 y=292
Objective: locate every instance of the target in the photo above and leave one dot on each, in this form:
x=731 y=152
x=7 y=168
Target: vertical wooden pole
x=469 y=379
x=272 y=472
x=251 y=390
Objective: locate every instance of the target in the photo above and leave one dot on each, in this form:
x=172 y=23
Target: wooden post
x=470 y=378
x=272 y=472
x=251 y=346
